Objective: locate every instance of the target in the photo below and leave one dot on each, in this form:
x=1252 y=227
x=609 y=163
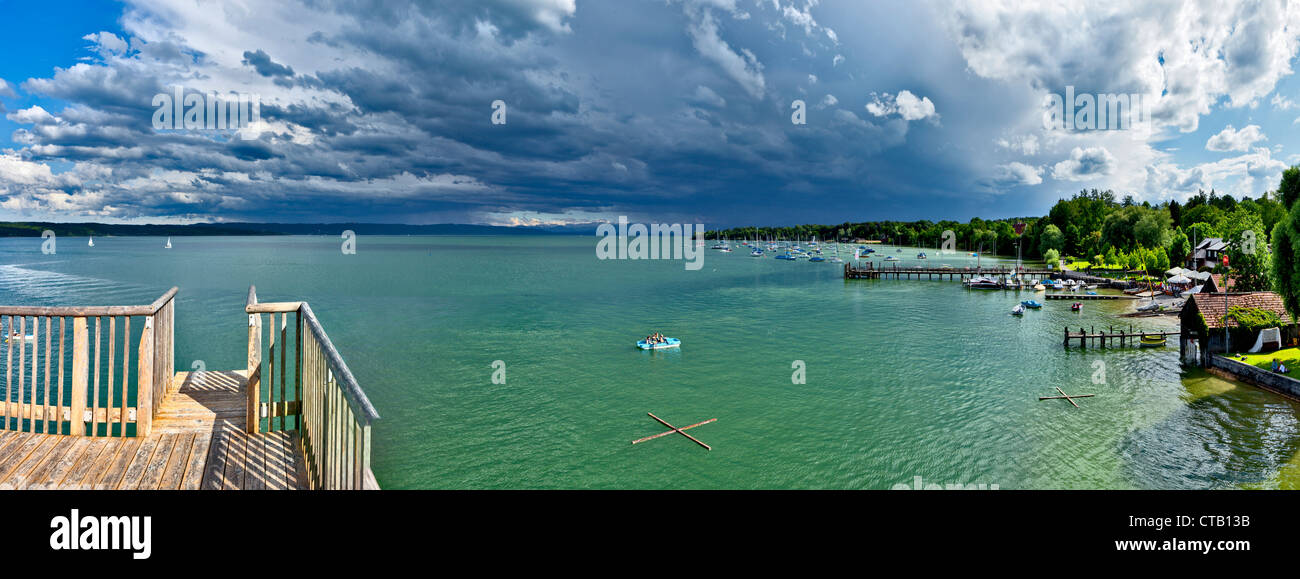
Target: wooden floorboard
x=197 y=442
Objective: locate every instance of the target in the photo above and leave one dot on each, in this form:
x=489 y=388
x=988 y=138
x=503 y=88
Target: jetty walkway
x=80 y=412
x=868 y=270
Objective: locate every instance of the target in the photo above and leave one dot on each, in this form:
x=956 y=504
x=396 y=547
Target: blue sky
x=661 y=110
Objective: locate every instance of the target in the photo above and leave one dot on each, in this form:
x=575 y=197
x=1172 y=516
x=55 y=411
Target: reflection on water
x=1239 y=435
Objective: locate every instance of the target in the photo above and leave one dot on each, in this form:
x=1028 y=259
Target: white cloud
x=6 y=90
x=1084 y=164
x=906 y=105
x=744 y=68
x=1183 y=56
x=34 y=115
x=1017 y=173
x=705 y=96
x=1025 y=144
x=1230 y=139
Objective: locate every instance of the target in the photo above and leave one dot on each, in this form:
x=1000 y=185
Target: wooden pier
x=1086 y=297
x=1109 y=336
x=868 y=270
x=70 y=421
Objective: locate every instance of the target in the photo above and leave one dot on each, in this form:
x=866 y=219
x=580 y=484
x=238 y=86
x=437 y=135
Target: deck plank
x=171 y=476
x=18 y=451
x=135 y=469
x=194 y=469
x=197 y=442
x=51 y=479
x=235 y=465
x=112 y=475
x=41 y=472
x=153 y=470
x=100 y=451
x=17 y=476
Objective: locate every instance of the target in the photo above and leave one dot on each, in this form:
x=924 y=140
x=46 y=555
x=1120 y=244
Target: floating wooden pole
x=654 y=436
x=677 y=430
x=1067 y=397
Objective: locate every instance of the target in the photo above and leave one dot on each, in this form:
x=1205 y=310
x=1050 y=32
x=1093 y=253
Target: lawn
x=1288 y=356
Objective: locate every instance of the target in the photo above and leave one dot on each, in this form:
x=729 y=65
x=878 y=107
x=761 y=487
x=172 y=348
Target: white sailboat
x=91 y=243
x=169 y=243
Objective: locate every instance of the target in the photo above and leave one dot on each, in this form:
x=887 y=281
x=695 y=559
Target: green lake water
x=904 y=379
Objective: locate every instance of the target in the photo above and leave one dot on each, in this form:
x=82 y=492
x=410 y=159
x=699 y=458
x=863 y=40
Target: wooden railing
x=318 y=397
x=73 y=389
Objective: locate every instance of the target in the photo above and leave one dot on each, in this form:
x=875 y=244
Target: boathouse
x=1204 y=316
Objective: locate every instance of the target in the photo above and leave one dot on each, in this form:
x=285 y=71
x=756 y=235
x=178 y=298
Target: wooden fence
x=310 y=390
x=60 y=385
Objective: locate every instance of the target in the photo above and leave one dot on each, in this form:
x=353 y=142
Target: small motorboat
x=891 y=258
x=1038 y=287
x=1151 y=307
x=817 y=258
x=1032 y=304
x=921 y=255
x=1149 y=341
x=17 y=336
x=984 y=283
x=1019 y=310
x=664 y=345
x=756 y=253
x=1076 y=307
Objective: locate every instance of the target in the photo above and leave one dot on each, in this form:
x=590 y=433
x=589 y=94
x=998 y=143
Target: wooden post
x=254 y=415
x=144 y=382
x=80 y=376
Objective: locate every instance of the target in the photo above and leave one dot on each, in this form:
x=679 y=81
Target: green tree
x=1289 y=189
x=1152 y=229
x=1179 y=247
x=1202 y=214
x=1243 y=230
x=1052 y=258
x=1052 y=238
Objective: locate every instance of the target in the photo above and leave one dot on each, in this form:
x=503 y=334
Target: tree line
x=1098 y=229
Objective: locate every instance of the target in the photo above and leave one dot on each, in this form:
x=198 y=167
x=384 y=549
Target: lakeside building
x=1204 y=317
x=1207 y=253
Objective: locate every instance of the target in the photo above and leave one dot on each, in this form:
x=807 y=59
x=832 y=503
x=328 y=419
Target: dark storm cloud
x=262 y=63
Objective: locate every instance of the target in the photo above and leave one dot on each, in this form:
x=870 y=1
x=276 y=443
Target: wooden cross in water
x=1065 y=396
x=677 y=430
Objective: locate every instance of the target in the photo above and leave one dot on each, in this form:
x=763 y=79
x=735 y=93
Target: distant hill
x=34 y=229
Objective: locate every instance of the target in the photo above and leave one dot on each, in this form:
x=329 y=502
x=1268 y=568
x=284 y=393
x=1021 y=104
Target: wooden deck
x=198 y=441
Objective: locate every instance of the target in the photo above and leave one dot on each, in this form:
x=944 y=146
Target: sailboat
x=91 y=243
x=169 y=243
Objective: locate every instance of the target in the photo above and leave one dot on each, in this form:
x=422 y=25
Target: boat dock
x=1085 y=297
x=1111 y=337
x=868 y=270
x=80 y=413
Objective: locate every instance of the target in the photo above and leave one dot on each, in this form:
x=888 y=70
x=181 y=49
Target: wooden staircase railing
x=322 y=400
x=74 y=389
